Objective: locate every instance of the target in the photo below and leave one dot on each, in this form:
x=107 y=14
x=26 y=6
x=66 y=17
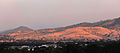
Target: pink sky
x=38 y=14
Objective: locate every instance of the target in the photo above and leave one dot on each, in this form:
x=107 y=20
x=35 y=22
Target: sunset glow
x=39 y=14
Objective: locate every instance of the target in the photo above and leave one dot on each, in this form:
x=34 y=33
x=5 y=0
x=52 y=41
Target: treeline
x=70 y=47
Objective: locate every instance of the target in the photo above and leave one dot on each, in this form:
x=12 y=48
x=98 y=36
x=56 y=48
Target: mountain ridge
x=79 y=31
x=20 y=28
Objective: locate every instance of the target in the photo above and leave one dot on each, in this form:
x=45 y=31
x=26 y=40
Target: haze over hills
x=108 y=29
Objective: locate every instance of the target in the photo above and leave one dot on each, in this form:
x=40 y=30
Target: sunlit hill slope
x=108 y=29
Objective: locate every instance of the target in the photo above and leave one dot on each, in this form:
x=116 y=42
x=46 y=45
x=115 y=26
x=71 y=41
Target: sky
x=40 y=14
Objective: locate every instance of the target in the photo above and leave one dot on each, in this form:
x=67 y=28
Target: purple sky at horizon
x=40 y=14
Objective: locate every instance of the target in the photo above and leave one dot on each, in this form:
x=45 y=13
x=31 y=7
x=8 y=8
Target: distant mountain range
x=21 y=28
x=108 y=29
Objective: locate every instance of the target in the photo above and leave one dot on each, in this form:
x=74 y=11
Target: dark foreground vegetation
x=69 y=47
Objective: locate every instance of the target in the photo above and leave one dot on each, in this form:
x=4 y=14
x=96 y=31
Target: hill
x=108 y=29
